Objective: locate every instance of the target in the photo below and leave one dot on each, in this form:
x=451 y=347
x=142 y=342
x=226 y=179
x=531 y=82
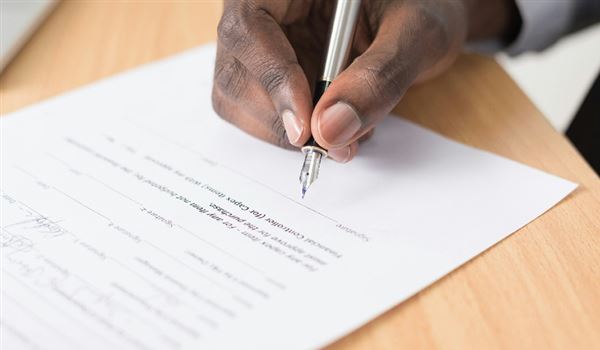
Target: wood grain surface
x=537 y=289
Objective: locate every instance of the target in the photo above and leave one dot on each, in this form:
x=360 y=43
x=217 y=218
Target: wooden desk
x=539 y=288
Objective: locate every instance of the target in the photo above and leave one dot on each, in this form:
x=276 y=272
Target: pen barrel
x=341 y=35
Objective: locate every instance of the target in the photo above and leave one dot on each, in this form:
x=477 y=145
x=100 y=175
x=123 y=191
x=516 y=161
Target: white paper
x=133 y=217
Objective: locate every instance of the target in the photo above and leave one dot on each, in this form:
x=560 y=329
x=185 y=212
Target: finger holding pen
x=250 y=33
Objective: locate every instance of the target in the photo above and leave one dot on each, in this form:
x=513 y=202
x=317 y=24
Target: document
x=134 y=218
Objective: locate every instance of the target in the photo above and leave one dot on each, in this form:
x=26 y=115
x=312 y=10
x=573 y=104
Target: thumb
x=363 y=94
x=359 y=98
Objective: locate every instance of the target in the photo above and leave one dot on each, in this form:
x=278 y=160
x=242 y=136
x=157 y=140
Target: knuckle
x=231 y=28
x=372 y=82
x=380 y=81
x=275 y=76
x=231 y=77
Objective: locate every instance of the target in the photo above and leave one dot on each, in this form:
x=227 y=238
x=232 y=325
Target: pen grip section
x=320 y=89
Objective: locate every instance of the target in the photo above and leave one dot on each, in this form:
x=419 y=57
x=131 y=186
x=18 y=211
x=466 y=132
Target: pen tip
x=303 y=192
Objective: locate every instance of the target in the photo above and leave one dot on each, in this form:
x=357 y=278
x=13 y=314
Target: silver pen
x=341 y=34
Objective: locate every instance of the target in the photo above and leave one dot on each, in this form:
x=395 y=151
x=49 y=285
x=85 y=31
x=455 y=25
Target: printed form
x=134 y=218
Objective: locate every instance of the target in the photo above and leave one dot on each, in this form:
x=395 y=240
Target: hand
x=269 y=55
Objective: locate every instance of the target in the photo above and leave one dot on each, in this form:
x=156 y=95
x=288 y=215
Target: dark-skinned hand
x=269 y=55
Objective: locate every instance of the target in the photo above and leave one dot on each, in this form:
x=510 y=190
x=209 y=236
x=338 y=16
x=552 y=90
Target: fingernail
x=293 y=126
x=341 y=155
x=338 y=124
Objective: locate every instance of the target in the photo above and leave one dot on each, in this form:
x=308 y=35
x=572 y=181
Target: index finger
x=251 y=32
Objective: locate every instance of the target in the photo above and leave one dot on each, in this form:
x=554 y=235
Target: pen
x=339 y=44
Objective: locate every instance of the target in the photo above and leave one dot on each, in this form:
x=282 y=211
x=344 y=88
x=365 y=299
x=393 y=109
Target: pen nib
x=303 y=191
x=310 y=167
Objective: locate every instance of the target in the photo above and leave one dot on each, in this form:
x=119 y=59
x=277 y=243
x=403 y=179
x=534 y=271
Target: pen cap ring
x=312 y=148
